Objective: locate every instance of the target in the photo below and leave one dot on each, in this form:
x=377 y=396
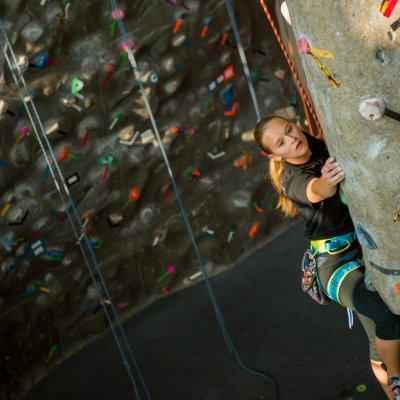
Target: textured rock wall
x=49 y=306
x=366 y=59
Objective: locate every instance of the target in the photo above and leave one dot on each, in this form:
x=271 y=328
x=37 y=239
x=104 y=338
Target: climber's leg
x=381 y=376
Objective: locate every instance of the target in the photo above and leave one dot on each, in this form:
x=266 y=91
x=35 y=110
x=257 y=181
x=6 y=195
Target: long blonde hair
x=275 y=168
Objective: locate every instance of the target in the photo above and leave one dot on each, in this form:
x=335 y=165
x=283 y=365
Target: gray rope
x=219 y=316
x=28 y=103
x=243 y=58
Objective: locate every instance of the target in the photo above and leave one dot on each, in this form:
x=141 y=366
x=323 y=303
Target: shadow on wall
x=99 y=130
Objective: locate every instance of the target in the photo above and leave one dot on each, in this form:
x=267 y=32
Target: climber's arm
x=319 y=189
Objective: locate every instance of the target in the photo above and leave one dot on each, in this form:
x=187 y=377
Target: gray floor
x=308 y=349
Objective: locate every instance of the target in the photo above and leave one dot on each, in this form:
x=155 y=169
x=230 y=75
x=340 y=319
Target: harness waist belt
x=329 y=245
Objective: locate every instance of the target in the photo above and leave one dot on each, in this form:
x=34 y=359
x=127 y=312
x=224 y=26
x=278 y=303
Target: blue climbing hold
x=365 y=238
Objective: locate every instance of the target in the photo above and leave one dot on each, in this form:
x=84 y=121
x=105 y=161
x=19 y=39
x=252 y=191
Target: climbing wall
x=94 y=118
x=351 y=67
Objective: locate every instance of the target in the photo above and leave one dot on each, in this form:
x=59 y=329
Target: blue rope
x=243 y=58
x=224 y=330
x=54 y=158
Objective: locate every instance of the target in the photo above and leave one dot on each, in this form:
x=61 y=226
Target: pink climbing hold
x=303 y=46
x=131 y=45
x=118 y=13
x=171 y=269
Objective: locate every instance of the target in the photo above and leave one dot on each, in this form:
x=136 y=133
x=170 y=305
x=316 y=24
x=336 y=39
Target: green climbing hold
x=106 y=160
x=361 y=388
x=77 y=85
x=342 y=198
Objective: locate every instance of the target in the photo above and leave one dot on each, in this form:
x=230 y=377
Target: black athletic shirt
x=327 y=218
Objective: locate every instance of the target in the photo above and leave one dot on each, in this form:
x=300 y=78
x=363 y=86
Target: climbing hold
x=365 y=238
x=118 y=117
x=106 y=160
x=361 y=388
x=373 y=109
x=147 y=136
x=114 y=220
x=135 y=194
x=125 y=45
x=118 y=14
x=110 y=68
x=177 y=26
x=280 y=74
x=342 y=197
x=397 y=288
x=42 y=61
x=207 y=22
x=305 y=48
x=387 y=7
x=154 y=78
x=32 y=32
x=72 y=179
x=285 y=13
x=254 y=229
x=395 y=25
x=76 y=85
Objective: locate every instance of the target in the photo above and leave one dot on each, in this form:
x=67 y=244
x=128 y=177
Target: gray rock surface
x=366 y=58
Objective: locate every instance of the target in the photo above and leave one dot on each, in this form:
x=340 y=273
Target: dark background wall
x=49 y=305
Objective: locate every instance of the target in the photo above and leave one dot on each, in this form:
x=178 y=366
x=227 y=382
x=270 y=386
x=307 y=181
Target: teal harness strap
x=337 y=278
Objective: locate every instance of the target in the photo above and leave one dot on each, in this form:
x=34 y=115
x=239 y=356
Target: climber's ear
x=274 y=157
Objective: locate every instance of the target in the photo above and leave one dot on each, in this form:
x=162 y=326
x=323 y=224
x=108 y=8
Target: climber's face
x=285 y=141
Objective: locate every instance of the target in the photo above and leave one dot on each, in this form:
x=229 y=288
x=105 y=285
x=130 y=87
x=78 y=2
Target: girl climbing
x=307 y=179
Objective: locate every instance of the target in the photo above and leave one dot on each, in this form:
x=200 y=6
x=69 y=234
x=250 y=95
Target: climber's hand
x=332 y=172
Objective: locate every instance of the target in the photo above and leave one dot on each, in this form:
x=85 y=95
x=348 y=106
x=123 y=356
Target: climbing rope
x=243 y=57
x=32 y=112
x=219 y=316
x=292 y=68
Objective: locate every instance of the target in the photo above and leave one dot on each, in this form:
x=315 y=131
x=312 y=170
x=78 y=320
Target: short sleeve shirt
x=325 y=219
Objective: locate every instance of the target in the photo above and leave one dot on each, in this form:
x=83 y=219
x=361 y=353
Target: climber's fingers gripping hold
x=332 y=172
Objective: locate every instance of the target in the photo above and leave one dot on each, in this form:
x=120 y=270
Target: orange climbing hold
x=254 y=229
x=135 y=194
x=397 y=288
x=63 y=155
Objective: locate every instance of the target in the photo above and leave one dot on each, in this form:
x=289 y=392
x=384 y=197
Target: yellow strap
x=319 y=246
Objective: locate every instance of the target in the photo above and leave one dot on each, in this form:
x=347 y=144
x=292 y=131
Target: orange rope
x=294 y=72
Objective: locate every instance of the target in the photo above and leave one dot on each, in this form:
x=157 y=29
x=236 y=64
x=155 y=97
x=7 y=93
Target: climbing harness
x=336 y=245
x=333 y=245
x=337 y=278
x=309 y=280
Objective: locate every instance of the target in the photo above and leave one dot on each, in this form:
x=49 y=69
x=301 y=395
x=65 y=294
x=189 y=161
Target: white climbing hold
x=372 y=109
x=32 y=32
x=285 y=12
